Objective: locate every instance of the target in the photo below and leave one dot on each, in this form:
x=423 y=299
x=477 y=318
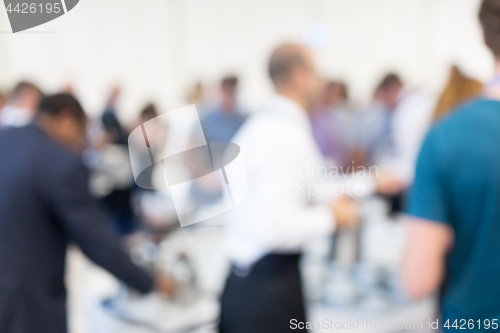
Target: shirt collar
x=13 y=116
x=491 y=89
x=285 y=107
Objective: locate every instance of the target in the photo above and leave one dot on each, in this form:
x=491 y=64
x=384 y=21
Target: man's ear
x=299 y=78
x=65 y=121
x=66 y=116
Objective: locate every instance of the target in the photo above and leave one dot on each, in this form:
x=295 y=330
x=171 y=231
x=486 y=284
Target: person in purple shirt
x=330 y=123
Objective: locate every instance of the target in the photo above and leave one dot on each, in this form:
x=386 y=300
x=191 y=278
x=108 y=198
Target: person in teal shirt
x=454 y=206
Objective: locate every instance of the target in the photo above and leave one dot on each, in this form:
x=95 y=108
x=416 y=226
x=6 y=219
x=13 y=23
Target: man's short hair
x=149 y=112
x=284 y=60
x=230 y=81
x=489 y=16
x=57 y=104
x=388 y=81
x=21 y=88
x=344 y=92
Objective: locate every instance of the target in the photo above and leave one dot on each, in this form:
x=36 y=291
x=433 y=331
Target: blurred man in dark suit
x=44 y=205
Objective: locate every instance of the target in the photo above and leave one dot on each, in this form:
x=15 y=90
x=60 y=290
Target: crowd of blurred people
x=386 y=133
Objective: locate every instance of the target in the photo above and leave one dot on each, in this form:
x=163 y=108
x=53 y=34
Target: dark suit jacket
x=45 y=204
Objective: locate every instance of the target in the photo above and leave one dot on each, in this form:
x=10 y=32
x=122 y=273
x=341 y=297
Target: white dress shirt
x=284 y=208
x=12 y=116
x=410 y=122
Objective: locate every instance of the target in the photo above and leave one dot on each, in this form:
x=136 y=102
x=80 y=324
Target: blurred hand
x=164 y=285
x=389 y=185
x=346 y=212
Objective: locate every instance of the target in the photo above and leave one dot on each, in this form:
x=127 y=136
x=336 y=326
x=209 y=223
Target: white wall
x=156 y=48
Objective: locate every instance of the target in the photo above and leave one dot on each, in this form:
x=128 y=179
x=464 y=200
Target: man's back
x=44 y=204
x=458 y=183
x=30 y=249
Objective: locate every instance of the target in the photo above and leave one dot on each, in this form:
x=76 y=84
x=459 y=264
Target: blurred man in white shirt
x=21 y=105
x=285 y=207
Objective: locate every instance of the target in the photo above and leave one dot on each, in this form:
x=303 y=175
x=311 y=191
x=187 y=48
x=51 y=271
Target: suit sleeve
x=86 y=224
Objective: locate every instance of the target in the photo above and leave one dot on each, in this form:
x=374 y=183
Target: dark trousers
x=266 y=300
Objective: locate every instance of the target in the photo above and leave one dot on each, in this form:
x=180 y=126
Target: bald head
x=285 y=60
x=294 y=75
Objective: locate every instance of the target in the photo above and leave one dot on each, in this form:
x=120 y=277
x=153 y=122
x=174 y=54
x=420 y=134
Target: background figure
x=411 y=114
x=458 y=89
x=392 y=133
x=157 y=135
x=2 y=100
x=112 y=127
x=154 y=209
x=405 y=116
x=148 y=112
x=374 y=139
x=333 y=124
x=195 y=95
x=221 y=123
x=21 y=105
x=111 y=172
